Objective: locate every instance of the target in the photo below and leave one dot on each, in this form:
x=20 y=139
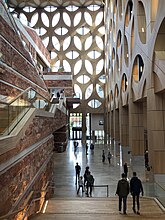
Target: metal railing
x=53 y=185
x=103 y=186
x=28 y=203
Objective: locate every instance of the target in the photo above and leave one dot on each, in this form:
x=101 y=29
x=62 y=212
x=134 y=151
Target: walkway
x=67 y=205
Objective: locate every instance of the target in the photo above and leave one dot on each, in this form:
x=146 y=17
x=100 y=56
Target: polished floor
x=103 y=204
x=104 y=173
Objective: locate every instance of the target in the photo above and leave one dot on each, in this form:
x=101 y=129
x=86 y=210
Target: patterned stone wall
x=135 y=73
x=17 y=66
x=28 y=172
x=16 y=179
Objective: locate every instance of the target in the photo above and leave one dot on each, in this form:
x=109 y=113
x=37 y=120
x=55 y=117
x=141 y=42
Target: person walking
x=86 y=148
x=90 y=182
x=77 y=169
x=85 y=174
x=103 y=156
x=136 y=188
x=146 y=158
x=80 y=184
x=125 y=167
x=122 y=191
x=109 y=157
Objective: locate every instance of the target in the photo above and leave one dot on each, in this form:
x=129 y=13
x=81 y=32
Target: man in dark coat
x=136 y=188
x=125 y=167
x=122 y=191
x=77 y=169
x=90 y=182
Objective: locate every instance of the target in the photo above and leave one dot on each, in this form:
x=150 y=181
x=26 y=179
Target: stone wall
x=17 y=67
x=15 y=181
x=27 y=167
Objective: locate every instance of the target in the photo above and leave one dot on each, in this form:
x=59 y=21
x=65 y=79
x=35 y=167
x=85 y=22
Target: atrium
x=79 y=70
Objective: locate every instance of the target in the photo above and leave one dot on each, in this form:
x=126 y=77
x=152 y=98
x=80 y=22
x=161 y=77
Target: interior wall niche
x=119 y=38
x=132 y=37
x=141 y=17
x=138 y=68
x=124 y=83
x=126 y=54
x=128 y=14
x=120 y=9
x=154 y=8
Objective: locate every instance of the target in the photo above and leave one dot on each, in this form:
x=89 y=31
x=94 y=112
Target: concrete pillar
x=106 y=125
x=84 y=128
x=136 y=128
x=111 y=125
x=116 y=125
x=93 y=136
x=156 y=131
x=124 y=125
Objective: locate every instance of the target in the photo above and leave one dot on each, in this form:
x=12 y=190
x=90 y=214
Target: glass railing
x=160 y=194
x=152 y=189
x=11 y=113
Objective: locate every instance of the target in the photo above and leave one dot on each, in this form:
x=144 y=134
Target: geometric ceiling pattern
x=57 y=3
x=74 y=36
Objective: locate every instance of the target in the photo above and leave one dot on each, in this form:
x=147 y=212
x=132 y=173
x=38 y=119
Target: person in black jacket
x=136 y=188
x=90 y=182
x=125 y=167
x=122 y=191
x=77 y=169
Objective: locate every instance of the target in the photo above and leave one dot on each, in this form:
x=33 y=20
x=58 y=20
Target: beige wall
x=135 y=65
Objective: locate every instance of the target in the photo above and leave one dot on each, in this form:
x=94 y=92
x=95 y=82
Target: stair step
x=98 y=209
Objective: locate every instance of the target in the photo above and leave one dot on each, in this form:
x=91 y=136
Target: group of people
x=60 y=95
x=124 y=188
x=85 y=182
x=108 y=157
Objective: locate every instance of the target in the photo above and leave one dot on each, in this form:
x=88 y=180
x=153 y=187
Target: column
x=124 y=125
x=84 y=128
x=156 y=131
x=136 y=128
x=116 y=125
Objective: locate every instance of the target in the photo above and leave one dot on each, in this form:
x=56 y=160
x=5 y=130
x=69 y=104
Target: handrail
x=12 y=212
x=17 y=97
x=107 y=186
x=103 y=186
x=4 y=217
x=38 y=199
x=27 y=206
x=28 y=89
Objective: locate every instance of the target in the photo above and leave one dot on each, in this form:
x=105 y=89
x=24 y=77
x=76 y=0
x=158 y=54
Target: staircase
x=98 y=209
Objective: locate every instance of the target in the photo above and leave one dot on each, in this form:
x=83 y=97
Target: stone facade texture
x=15 y=180
x=19 y=69
x=39 y=43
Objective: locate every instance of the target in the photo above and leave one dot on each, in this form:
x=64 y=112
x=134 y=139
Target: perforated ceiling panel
x=74 y=36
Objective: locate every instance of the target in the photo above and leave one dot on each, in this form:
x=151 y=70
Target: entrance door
x=75 y=126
